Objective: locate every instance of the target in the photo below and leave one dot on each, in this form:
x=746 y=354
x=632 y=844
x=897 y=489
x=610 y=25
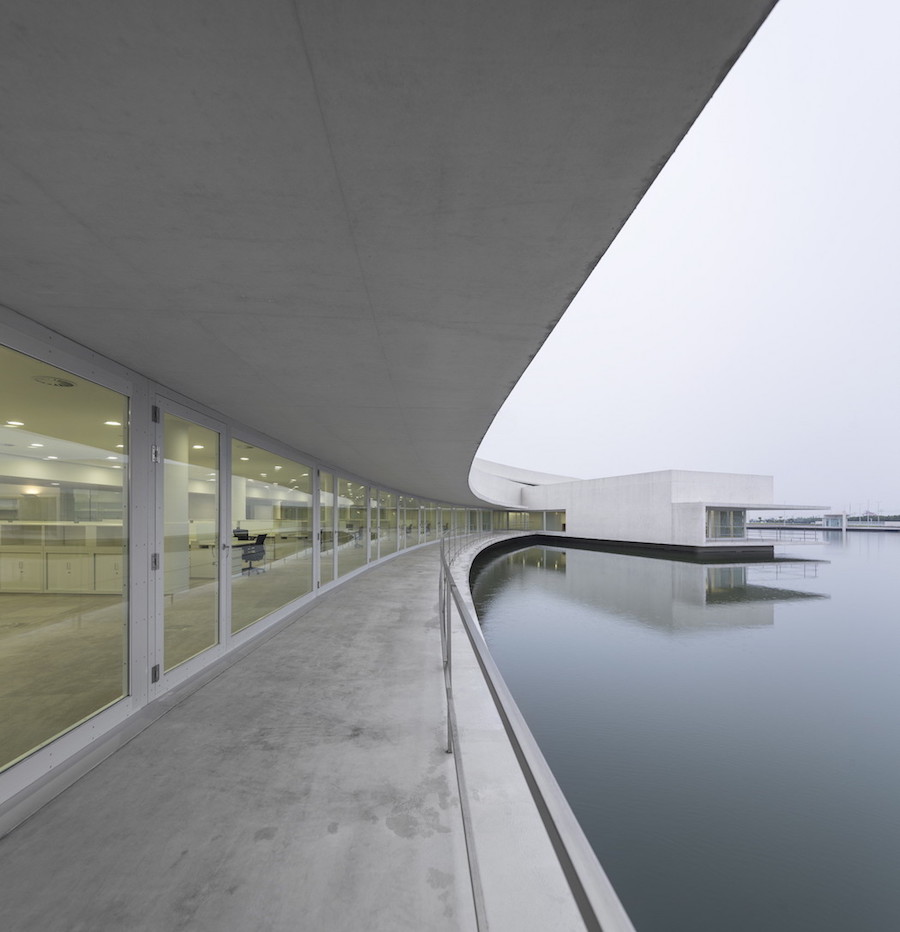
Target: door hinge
x=154 y=673
x=154 y=414
x=154 y=453
x=154 y=561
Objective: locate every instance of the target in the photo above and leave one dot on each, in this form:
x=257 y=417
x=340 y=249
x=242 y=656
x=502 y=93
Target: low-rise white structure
x=670 y=508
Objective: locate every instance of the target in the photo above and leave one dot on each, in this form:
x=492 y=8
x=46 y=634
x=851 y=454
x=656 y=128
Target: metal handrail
x=597 y=901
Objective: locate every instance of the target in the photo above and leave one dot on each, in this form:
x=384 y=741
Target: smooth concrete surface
x=305 y=788
x=524 y=886
x=348 y=224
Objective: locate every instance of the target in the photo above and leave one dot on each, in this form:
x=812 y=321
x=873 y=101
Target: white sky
x=746 y=318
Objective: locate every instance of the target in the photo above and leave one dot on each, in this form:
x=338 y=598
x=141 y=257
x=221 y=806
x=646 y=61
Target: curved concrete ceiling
x=348 y=224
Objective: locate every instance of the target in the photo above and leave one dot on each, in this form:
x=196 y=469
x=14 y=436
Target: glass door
x=189 y=557
x=326 y=528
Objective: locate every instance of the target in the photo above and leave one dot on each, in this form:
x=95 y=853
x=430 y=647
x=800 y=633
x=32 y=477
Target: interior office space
x=270 y=269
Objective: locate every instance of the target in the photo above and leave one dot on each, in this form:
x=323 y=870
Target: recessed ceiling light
x=15 y=423
x=35 y=444
x=53 y=380
x=112 y=457
x=278 y=467
x=264 y=474
x=51 y=458
x=245 y=458
x=113 y=423
x=120 y=446
x=197 y=446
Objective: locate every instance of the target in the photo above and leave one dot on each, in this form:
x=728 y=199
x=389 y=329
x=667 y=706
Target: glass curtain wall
x=63 y=552
x=721 y=522
x=326 y=527
x=408 y=515
x=352 y=525
x=191 y=539
x=555 y=520
x=271 y=537
x=387 y=523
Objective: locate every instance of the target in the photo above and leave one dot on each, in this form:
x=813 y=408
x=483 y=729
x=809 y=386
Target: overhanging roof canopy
x=373 y=212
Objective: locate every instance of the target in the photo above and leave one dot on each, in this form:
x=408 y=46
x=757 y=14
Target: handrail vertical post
x=449 y=669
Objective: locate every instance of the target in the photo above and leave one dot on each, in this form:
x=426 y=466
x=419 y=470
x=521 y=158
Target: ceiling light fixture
x=53 y=380
x=113 y=423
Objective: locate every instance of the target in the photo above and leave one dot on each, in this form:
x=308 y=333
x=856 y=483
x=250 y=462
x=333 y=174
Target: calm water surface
x=728 y=736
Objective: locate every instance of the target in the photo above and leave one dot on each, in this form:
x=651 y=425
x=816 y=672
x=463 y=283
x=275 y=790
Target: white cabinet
x=21 y=572
x=109 y=572
x=70 y=572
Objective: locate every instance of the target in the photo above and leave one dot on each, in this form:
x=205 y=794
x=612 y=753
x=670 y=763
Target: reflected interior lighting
x=31 y=491
x=197 y=446
x=112 y=457
x=113 y=423
x=15 y=423
x=35 y=444
x=245 y=459
x=51 y=457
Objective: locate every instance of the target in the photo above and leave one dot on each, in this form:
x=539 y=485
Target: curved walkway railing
x=597 y=901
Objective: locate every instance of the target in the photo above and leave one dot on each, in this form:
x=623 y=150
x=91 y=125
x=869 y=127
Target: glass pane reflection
x=63 y=552
x=271 y=543
x=191 y=548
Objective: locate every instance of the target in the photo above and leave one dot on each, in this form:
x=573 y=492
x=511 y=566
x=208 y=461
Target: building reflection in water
x=672 y=595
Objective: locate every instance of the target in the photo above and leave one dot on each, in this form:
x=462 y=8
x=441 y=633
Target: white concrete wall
x=629 y=508
x=689 y=523
x=721 y=487
x=666 y=507
x=503 y=485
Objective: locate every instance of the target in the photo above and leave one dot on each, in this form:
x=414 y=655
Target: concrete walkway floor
x=305 y=788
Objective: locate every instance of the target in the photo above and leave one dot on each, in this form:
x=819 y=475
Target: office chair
x=254 y=552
